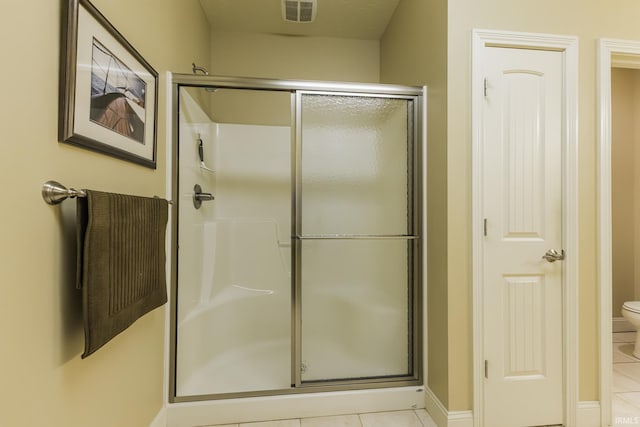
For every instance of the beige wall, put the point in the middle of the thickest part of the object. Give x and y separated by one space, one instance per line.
453 287
625 176
45 383
288 57
283 57
251 107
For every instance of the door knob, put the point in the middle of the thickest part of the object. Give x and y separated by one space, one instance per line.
552 255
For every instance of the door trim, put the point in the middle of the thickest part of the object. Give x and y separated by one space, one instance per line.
607 49
568 46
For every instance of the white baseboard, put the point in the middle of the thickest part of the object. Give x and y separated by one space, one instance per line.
443 417
620 324
160 420
588 414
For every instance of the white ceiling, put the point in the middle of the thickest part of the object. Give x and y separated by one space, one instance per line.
358 19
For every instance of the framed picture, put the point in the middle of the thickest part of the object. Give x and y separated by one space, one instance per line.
108 92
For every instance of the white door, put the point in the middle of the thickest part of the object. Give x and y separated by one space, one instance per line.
522 207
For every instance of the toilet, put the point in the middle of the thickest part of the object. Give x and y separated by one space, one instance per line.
631 312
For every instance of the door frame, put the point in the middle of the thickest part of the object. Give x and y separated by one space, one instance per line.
607 51
568 46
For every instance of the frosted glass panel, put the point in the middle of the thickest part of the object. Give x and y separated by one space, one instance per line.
354 165
354 309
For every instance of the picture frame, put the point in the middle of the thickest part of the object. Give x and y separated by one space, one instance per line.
108 99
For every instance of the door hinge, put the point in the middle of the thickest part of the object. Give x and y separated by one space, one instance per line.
485 87
484 227
486 369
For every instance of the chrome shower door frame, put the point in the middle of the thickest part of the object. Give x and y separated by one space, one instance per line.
414 236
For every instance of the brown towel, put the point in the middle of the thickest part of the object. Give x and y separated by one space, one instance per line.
121 262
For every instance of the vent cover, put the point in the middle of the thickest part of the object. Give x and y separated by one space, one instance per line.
302 11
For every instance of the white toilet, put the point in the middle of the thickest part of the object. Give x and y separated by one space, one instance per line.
631 312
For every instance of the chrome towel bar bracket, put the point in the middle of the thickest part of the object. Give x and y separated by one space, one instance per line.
54 193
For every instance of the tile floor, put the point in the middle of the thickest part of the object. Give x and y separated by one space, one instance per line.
417 418
626 381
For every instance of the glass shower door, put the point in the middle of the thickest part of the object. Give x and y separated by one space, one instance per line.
355 237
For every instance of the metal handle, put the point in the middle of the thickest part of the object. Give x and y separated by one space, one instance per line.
552 255
357 237
199 196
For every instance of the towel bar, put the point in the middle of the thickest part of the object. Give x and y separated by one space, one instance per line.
54 193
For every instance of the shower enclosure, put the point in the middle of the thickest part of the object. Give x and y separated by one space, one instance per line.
298 223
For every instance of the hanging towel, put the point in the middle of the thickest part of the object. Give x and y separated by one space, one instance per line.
121 262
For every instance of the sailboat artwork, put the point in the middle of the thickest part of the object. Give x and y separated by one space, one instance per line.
108 98
117 95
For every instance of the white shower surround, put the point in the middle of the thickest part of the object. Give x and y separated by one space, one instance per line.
233 316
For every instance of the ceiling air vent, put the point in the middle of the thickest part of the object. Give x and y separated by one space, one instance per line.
299 10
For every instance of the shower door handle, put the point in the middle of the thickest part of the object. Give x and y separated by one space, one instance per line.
199 196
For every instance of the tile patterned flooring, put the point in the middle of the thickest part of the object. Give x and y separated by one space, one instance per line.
417 418
625 389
